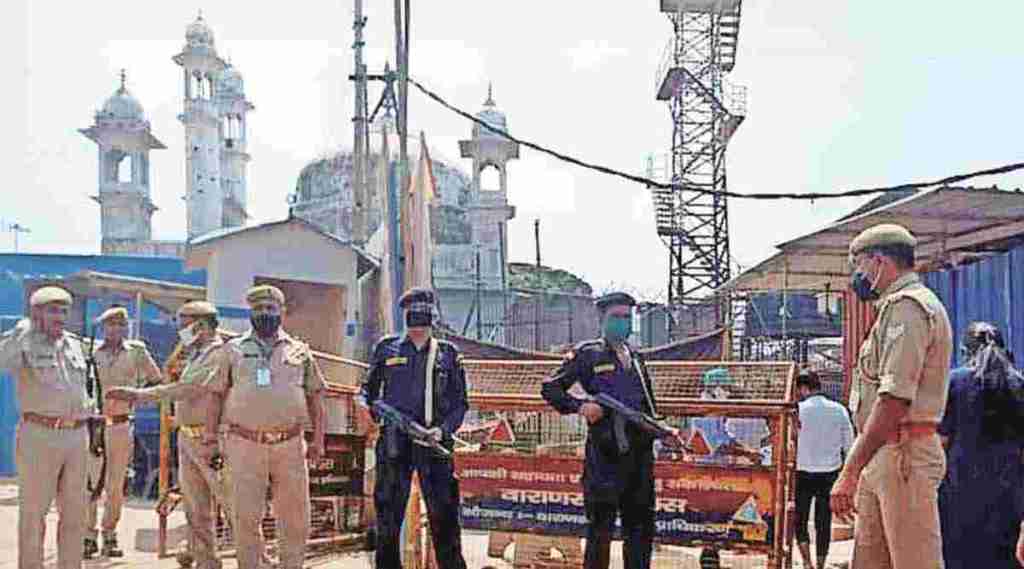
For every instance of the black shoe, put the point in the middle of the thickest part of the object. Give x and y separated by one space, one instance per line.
184 560
90 550
110 548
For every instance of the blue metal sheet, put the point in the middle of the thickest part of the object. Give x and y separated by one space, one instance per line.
15 267
989 290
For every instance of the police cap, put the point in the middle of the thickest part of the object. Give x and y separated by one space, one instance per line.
264 292
197 308
614 299
881 235
114 313
417 298
48 294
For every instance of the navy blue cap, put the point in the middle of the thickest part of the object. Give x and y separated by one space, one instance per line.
418 296
615 299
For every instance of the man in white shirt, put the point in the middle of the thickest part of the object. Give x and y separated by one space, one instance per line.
826 436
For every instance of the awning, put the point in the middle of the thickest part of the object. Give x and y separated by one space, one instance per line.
948 222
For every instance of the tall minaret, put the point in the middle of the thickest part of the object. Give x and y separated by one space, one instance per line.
123 135
233 141
201 68
489 210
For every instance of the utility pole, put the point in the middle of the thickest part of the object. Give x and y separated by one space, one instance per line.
536 238
402 57
479 305
360 147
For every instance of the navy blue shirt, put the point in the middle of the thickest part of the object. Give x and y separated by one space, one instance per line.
398 373
597 368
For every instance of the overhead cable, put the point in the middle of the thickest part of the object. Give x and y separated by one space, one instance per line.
696 189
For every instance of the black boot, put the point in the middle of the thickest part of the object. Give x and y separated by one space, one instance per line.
90 550
110 548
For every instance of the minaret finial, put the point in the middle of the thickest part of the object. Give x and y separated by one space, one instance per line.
124 78
490 94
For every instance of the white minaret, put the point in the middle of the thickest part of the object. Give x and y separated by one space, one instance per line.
201 116
230 97
123 136
489 210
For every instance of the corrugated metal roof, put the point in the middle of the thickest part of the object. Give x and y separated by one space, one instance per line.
945 221
16 267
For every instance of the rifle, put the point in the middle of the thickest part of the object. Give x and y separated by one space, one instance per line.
623 414
97 444
400 422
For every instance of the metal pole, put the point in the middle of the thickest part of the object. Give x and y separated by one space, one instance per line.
359 149
479 306
536 239
504 283
137 332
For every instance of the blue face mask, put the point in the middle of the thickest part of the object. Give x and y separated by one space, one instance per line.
618 328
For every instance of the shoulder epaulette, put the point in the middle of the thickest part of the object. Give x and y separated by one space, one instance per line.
596 343
135 344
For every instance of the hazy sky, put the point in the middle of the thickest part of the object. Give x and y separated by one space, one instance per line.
841 94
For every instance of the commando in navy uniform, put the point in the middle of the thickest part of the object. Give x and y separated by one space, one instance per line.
435 396
618 475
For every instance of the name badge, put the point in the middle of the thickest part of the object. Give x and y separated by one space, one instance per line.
262 377
603 368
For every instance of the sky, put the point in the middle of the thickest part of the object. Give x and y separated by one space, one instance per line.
840 95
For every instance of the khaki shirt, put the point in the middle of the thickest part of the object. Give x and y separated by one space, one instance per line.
292 377
201 366
128 366
50 375
906 354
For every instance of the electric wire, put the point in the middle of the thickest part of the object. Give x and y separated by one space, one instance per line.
954 179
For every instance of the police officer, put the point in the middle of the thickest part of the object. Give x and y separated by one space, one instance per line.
119 362
423 378
616 481
269 388
53 440
199 352
892 475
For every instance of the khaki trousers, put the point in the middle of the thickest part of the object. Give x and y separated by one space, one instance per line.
120 445
282 467
51 464
897 507
201 488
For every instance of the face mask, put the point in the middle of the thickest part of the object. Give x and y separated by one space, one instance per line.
618 328
862 286
187 334
266 324
419 319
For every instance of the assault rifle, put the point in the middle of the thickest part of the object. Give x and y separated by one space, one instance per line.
97 442
622 414
400 422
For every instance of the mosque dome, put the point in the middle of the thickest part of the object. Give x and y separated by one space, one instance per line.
491 116
122 105
198 33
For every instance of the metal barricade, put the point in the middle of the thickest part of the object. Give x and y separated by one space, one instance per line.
732 490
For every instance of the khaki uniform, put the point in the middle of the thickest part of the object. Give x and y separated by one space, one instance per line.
51 462
200 484
274 404
128 366
906 355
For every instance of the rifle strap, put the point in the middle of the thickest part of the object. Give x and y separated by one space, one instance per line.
643 380
428 395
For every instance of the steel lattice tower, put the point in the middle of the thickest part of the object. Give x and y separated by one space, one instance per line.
692 218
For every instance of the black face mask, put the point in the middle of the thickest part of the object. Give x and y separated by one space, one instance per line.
860 284
418 319
266 324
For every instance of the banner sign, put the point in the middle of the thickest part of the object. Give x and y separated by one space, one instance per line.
544 494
